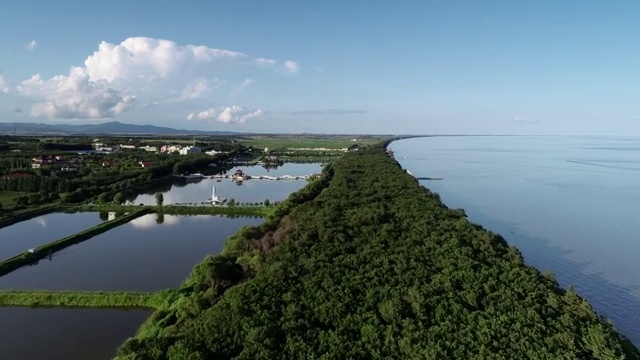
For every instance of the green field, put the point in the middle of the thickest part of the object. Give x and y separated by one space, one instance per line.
7 198
305 142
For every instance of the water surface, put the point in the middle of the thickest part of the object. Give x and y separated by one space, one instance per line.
40 230
570 204
142 255
65 334
248 191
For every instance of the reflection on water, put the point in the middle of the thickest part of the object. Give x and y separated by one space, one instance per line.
146 254
545 196
27 234
65 334
199 192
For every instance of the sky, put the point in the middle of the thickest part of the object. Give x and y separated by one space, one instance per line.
392 67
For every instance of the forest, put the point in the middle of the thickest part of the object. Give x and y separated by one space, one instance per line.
366 263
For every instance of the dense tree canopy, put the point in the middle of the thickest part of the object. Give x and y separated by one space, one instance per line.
365 263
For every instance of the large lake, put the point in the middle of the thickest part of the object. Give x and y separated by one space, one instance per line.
248 191
142 255
570 204
65 334
24 235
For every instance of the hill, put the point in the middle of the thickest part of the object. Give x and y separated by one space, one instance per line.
365 263
108 128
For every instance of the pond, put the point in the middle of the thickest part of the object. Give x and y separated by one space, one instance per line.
43 229
247 191
69 334
150 253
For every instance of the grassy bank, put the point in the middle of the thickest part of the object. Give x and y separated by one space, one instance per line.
84 299
366 263
13 217
180 210
42 251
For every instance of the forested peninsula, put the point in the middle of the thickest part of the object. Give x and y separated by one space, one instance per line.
365 263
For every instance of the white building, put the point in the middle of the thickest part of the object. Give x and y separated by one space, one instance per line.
190 150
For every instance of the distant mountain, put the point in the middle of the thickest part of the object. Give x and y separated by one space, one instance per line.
108 128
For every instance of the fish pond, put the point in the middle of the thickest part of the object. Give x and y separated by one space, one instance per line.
40 230
69 334
152 252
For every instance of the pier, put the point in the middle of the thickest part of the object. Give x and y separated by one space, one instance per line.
264 177
422 177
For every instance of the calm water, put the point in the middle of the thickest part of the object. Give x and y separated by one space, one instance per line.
43 229
248 191
570 204
65 334
139 256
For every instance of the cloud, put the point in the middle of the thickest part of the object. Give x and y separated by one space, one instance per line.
238 89
75 96
326 112
292 66
4 85
142 68
31 46
262 62
197 88
232 114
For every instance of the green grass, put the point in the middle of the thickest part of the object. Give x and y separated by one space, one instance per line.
295 142
12 217
7 198
83 298
181 210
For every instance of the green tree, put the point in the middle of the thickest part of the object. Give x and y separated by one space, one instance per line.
118 198
267 202
34 199
103 198
159 199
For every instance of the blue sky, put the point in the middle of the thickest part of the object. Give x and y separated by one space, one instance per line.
461 67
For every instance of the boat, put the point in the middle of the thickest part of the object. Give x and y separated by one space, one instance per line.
215 199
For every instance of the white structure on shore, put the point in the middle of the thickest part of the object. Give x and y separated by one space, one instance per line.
190 150
215 199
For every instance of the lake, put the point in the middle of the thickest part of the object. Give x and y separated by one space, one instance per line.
40 230
570 204
141 255
65 334
248 191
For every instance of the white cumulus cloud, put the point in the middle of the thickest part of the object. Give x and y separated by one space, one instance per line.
115 75
31 46
292 66
75 96
230 114
4 85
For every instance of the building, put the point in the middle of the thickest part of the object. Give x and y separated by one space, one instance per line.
145 164
190 150
127 147
149 148
170 148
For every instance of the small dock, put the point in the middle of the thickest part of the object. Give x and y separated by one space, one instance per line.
422 177
264 177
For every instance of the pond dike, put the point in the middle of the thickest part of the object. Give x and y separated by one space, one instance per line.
43 251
